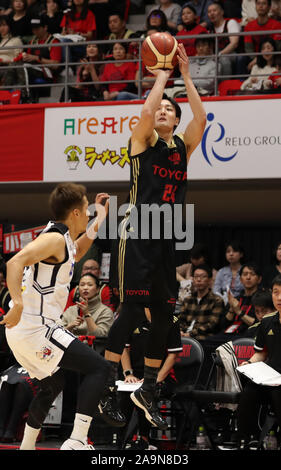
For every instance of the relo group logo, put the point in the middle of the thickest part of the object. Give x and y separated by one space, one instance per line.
207 147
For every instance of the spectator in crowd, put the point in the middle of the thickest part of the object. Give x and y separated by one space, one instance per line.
119 70
118 30
53 15
198 255
43 63
262 302
203 66
79 20
89 71
92 266
228 277
7 56
172 11
227 44
249 11
275 10
190 27
201 8
203 310
241 311
5 7
262 23
274 268
273 82
264 67
267 349
20 21
89 316
156 19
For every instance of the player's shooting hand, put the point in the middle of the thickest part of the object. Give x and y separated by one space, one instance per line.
183 60
13 317
160 72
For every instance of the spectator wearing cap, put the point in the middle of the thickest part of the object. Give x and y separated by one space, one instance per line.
118 70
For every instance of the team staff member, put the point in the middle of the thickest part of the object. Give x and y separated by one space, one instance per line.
146 272
268 349
39 293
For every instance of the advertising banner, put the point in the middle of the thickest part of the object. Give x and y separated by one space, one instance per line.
89 143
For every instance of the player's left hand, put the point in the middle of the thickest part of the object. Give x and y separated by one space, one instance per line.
13 317
183 60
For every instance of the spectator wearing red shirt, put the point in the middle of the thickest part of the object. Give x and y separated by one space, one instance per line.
79 20
118 70
274 81
262 23
191 26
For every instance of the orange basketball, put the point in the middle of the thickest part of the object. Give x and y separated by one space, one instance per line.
159 51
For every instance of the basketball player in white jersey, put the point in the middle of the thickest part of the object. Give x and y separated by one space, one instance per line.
38 279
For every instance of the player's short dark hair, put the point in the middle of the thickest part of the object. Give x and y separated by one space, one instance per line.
66 197
263 298
205 268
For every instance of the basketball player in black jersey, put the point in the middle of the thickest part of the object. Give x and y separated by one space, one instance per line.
145 274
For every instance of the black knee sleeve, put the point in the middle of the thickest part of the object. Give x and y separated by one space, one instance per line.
49 389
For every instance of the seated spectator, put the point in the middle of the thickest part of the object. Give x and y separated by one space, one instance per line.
118 70
20 21
249 12
172 11
274 268
267 349
89 316
262 23
118 30
190 27
201 9
226 44
198 255
89 71
92 266
53 15
101 10
156 19
42 63
7 56
262 302
205 67
79 20
203 310
228 277
264 67
241 311
275 10
273 82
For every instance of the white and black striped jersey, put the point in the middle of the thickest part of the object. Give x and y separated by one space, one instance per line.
45 286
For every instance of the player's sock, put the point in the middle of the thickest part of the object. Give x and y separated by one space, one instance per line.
150 378
29 438
81 427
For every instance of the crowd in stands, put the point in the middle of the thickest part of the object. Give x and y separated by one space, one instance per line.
214 306
238 67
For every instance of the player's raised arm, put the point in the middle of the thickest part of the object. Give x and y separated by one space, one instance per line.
144 128
195 129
